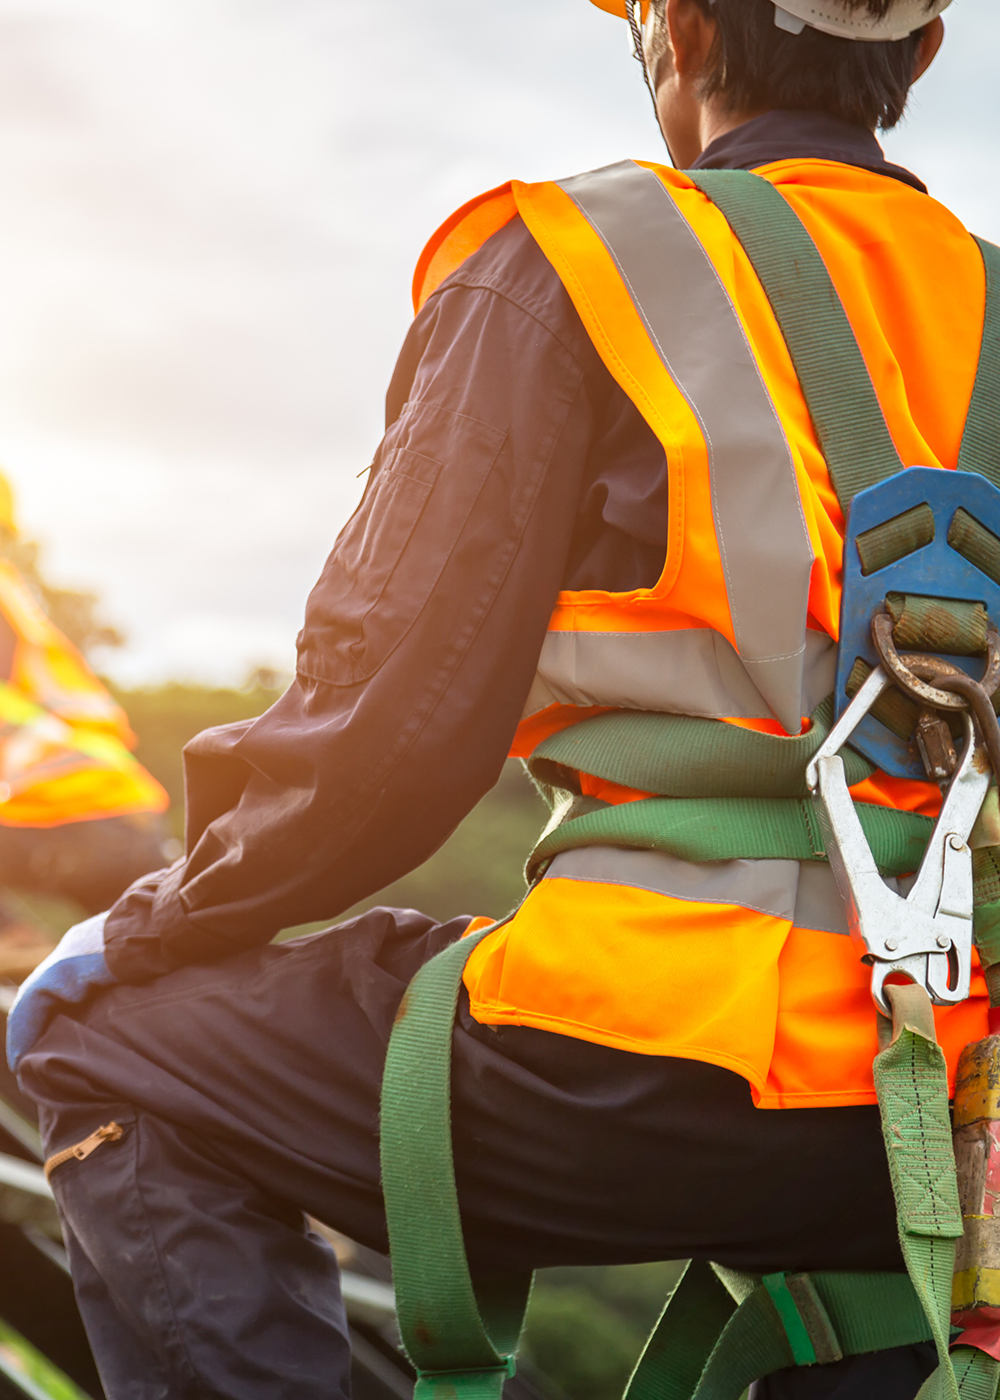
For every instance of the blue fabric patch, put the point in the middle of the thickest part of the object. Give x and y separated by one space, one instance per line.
66 982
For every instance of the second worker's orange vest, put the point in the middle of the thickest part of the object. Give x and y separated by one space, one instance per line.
64 741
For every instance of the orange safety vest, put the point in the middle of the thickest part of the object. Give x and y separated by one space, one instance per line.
64 742
742 964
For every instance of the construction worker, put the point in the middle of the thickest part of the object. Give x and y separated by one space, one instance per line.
601 490
80 818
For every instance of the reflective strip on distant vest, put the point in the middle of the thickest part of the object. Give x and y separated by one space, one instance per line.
64 742
52 773
724 964
49 671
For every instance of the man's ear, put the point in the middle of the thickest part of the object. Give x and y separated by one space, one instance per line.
930 42
692 35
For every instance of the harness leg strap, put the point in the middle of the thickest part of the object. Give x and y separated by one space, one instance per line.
911 1080
461 1336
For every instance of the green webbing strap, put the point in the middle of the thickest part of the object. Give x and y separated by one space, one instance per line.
704 1348
714 1338
681 756
911 1083
952 625
804 1320
896 538
850 426
461 1336
849 422
980 450
686 1335
986 926
977 1377
975 543
705 829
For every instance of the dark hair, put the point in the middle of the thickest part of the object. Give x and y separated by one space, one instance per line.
755 66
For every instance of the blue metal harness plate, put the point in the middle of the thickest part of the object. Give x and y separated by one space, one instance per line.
935 570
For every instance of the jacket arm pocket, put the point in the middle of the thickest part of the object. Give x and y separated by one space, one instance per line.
390 555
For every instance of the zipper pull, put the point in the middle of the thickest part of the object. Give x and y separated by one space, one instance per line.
111 1132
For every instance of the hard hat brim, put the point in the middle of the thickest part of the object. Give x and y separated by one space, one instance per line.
831 17
617 7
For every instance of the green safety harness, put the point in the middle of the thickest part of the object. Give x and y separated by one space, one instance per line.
723 792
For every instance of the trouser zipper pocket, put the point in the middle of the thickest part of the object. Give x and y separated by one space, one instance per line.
111 1132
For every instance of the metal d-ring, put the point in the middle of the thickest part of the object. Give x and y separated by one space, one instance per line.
955 689
982 707
913 670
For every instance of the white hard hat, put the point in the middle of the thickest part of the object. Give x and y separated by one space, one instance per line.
834 17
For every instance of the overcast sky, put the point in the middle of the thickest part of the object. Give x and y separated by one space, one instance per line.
209 216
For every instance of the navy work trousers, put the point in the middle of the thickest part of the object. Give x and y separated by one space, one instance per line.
248 1091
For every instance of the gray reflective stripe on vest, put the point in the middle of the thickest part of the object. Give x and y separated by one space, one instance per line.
690 672
818 903
805 894
762 537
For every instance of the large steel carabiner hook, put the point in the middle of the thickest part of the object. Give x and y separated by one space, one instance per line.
925 936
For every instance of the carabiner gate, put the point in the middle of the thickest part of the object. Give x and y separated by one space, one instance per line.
925 936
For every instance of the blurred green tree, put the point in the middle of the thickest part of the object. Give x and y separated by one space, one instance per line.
586 1327
577 1341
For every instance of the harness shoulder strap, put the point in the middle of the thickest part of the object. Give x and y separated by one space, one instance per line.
847 416
980 450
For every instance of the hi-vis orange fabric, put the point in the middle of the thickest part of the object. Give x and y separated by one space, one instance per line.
64 742
735 965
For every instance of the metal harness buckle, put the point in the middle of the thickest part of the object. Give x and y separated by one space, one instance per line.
926 936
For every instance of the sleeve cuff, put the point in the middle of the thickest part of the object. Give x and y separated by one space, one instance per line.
148 932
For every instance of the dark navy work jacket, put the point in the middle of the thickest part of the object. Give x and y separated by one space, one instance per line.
537 474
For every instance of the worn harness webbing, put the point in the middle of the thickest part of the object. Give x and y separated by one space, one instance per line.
980 450
719 1332
727 828
461 1339
753 803
689 756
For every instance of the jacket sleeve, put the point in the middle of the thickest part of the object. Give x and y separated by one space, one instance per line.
419 646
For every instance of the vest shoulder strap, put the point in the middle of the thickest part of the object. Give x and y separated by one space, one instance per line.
461 235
